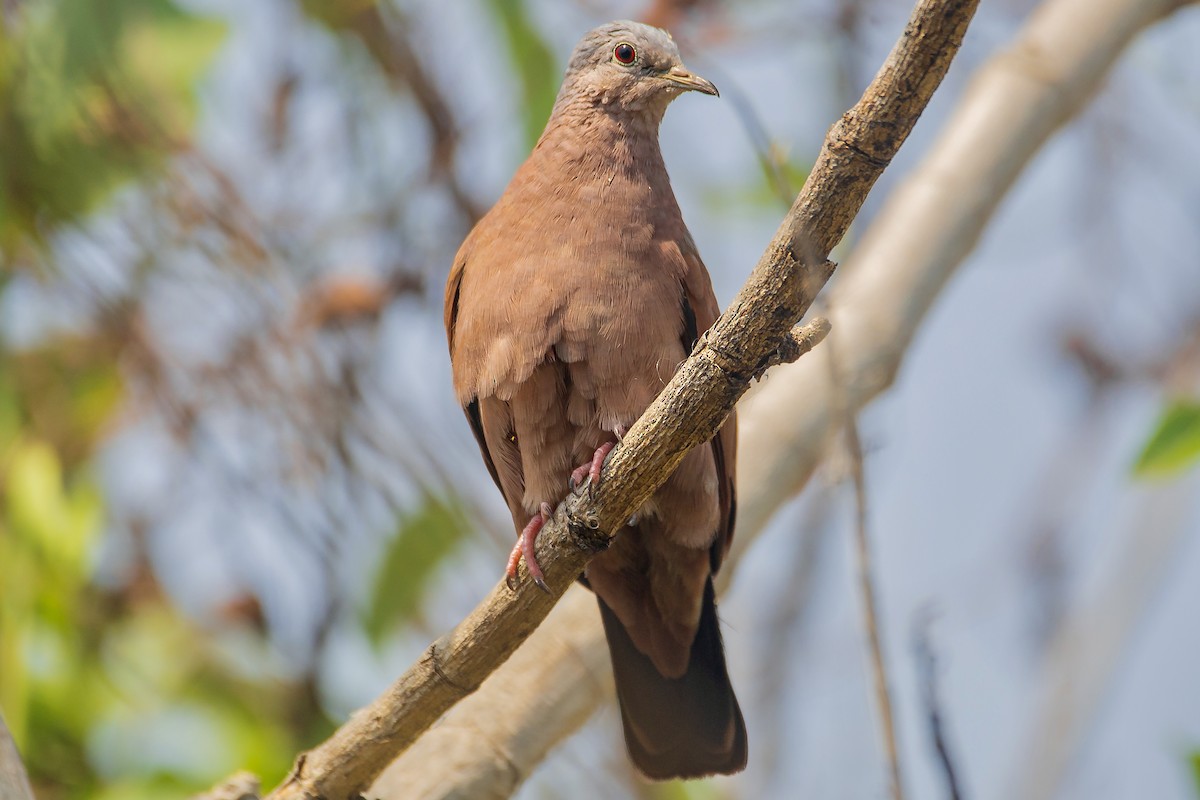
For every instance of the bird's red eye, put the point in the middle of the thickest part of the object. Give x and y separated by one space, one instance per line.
624 53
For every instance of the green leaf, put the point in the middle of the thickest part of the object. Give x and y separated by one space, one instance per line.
426 537
534 61
1175 443
61 524
10 412
37 504
168 56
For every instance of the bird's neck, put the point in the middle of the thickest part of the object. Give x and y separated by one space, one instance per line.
588 137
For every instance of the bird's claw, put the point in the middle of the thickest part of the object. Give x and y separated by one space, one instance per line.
524 548
579 477
588 474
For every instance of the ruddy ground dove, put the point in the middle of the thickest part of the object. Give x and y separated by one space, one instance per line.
568 308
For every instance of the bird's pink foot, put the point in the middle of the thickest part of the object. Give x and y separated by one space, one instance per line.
591 469
524 547
578 476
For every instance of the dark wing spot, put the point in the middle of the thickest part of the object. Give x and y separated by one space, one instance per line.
451 313
689 334
472 411
726 501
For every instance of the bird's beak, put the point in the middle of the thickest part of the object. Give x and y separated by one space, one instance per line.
678 76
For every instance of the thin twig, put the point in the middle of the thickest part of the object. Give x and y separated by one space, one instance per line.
927 669
866 588
786 622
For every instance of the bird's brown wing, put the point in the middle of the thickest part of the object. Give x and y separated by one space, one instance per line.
521 424
491 421
450 318
700 311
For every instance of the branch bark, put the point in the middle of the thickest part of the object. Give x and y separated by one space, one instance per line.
687 413
1013 105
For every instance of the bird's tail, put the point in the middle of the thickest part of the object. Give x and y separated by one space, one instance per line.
682 727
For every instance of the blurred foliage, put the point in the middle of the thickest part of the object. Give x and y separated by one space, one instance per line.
338 15
92 96
774 187
69 390
1194 764
425 539
1175 443
356 19
112 694
373 26
107 690
688 790
535 64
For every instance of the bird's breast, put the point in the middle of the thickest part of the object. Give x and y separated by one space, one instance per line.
584 269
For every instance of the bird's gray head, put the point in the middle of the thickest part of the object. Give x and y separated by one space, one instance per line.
630 67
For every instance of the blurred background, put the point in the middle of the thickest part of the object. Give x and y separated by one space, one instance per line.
237 496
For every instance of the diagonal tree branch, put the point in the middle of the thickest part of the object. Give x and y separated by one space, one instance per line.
493 741
688 412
